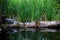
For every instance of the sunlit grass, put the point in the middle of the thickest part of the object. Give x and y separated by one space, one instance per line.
32 10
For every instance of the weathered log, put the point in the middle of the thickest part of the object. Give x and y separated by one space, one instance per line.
34 24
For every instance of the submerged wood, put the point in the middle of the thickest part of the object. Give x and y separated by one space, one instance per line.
34 24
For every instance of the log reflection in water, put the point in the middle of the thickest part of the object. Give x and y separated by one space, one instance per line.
6 33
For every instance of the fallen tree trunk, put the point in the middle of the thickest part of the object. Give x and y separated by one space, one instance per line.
34 24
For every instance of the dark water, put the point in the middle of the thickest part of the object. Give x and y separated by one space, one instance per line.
32 34
43 34
28 35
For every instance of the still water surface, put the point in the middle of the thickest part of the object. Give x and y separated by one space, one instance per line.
44 34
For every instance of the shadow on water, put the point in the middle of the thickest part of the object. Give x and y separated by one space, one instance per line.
28 35
21 34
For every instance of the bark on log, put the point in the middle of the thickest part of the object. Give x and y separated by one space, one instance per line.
34 24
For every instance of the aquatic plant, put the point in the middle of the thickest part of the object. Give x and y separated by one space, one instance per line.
30 10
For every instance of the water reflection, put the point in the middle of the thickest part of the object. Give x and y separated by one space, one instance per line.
37 35
33 34
38 29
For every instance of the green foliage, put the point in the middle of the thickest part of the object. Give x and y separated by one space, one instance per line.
30 10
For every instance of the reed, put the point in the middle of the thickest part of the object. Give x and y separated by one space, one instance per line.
31 10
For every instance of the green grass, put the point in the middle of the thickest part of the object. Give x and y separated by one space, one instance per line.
31 10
